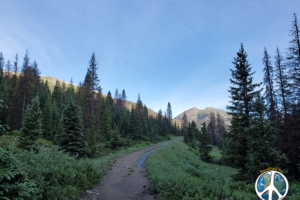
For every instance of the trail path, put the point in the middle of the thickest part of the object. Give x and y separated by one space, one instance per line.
117 184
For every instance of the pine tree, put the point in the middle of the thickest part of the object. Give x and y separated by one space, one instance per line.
260 139
72 139
47 126
184 123
32 126
242 94
92 134
269 89
204 147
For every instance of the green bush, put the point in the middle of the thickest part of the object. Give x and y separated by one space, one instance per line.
14 182
15 133
58 175
43 142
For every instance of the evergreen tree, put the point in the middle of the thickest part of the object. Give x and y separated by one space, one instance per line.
260 139
169 113
139 109
124 97
47 126
105 126
184 123
124 124
269 89
57 95
109 99
212 128
55 118
282 85
115 138
164 129
91 135
72 139
242 94
293 60
134 125
92 71
204 147
32 126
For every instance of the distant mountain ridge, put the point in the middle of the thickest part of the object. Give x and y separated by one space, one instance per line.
202 115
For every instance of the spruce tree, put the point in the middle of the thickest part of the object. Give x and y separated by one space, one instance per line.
134 125
115 138
169 113
184 123
164 129
269 88
72 140
282 85
92 134
260 140
293 60
57 95
32 126
203 145
105 126
242 93
55 118
124 124
47 126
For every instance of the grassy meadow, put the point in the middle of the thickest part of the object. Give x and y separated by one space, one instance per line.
177 173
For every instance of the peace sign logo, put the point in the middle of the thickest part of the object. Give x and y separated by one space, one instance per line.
271 185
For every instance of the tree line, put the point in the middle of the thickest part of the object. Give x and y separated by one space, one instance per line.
75 119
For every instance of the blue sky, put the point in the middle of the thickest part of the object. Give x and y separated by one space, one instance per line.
168 51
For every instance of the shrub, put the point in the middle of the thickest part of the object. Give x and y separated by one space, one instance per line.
57 174
43 142
14 183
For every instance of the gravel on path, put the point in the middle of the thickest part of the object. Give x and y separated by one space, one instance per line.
126 180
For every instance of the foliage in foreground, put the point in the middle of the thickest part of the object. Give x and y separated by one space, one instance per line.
58 175
179 174
14 182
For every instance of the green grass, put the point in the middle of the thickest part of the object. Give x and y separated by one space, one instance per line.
178 173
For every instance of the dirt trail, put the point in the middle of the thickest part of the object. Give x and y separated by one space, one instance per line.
118 184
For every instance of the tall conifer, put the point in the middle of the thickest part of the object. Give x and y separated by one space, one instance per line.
242 93
32 126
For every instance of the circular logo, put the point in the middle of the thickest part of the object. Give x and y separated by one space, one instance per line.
271 185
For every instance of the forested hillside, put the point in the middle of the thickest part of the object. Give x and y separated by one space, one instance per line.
45 117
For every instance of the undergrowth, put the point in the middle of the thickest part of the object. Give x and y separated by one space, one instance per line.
178 174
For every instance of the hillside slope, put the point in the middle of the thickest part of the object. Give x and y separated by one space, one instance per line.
202 115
